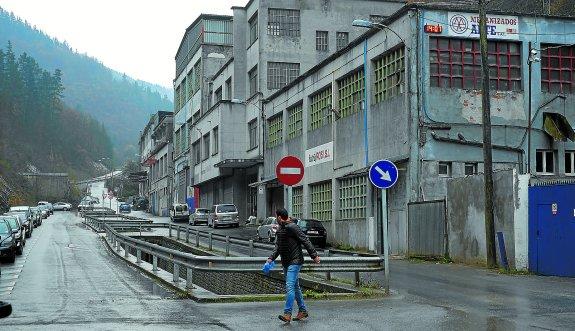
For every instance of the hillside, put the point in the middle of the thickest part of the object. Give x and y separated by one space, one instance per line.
121 103
38 131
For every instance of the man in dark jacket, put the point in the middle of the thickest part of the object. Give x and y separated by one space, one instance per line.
289 238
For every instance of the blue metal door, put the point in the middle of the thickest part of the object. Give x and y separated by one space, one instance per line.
552 230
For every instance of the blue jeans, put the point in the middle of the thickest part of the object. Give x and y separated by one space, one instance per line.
293 291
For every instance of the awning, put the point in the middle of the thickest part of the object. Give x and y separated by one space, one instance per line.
558 127
239 163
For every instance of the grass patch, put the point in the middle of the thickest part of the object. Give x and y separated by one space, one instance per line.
349 248
422 259
512 272
313 294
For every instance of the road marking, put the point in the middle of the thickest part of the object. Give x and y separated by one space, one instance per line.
290 171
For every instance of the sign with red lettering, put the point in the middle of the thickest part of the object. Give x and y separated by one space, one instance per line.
319 154
289 170
498 27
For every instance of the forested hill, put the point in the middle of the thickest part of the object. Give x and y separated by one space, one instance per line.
122 104
38 132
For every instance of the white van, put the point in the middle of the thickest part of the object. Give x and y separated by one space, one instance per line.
179 212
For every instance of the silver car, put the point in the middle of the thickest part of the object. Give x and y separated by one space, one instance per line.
268 229
199 216
224 214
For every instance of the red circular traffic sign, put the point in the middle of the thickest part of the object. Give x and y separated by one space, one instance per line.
289 170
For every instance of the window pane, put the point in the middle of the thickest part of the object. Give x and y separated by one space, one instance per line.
539 162
549 164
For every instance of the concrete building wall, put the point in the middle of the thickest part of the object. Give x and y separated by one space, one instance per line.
466 217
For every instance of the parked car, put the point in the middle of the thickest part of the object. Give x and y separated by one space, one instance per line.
140 204
8 246
46 203
36 216
87 203
125 208
268 229
27 216
24 220
17 230
62 206
314 230
224 214
179 212
200 215
44 210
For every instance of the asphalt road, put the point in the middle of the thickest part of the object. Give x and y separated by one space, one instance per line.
67 280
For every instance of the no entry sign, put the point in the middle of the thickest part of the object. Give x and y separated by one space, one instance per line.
289 170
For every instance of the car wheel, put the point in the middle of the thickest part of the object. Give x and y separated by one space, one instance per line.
20 249
12 257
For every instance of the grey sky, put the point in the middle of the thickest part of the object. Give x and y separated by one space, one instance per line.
136 37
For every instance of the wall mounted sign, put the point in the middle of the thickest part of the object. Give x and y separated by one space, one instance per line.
429 28
498 27
319 154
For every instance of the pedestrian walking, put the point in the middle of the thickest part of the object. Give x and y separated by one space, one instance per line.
289 239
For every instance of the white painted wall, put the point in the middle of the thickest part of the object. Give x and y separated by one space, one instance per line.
521 222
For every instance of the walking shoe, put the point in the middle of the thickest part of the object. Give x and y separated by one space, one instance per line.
301 315
285 318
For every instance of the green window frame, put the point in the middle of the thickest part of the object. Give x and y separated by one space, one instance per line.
190 84
295 121
351 93
177 99
389 72
320 109
321 201
197 76
352 198
275 131
297 202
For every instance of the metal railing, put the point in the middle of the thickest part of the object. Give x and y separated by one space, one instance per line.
179 259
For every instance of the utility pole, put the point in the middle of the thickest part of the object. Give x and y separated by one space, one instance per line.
487 148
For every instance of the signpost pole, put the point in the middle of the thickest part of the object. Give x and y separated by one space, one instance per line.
385 238
289 199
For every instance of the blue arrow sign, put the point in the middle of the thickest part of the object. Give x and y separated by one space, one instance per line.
383 174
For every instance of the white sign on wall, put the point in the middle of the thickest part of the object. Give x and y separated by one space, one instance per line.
498 27
319 154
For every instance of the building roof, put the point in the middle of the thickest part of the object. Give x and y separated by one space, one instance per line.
197 20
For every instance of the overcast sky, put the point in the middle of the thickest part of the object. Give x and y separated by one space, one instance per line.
136 37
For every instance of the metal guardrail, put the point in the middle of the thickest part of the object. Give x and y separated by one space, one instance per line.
193 262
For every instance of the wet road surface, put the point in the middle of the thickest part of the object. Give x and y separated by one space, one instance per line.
67 280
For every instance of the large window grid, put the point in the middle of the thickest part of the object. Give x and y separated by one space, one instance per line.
281 73
216 142
177 99
341 40
253 80
253 133
320 108
283 22
197 76
253 22
558 68
297 202
351 93
352 198
275 131
321 40
196 150
190 84
456 63
207 146
295 121
389 75
321 201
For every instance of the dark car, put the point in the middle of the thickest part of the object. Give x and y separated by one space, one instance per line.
140 204
36 216
125 208
7 242
25 221
17 230
314 230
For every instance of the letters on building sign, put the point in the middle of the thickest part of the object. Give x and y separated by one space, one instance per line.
433 28
319 154
498 27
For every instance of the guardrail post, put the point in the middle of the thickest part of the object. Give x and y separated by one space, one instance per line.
126 251
327 274
210 241
176 277
197 238
117 246
154 263
178 232
189 278
251 247
357 281
138 256
227 245
169 230
187 234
